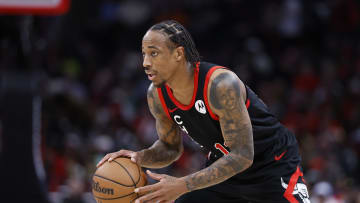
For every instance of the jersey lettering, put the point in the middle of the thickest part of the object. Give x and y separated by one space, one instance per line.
221 148
178 120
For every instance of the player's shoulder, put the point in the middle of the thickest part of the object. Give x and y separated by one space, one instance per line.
151 88
224 77
152 92
225 81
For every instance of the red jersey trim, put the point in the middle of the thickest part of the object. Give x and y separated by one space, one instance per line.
290 189
163 103
208 75
247 103
176 102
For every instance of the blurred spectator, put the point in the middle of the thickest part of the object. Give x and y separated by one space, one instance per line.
301 57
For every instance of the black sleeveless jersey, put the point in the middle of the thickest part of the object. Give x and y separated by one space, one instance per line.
202 125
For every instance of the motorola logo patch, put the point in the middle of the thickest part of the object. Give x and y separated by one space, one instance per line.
200 106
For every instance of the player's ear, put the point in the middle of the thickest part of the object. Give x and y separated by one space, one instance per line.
179 53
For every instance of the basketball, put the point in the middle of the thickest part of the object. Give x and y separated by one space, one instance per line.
115 181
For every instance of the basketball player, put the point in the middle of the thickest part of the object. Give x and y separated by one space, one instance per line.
252 157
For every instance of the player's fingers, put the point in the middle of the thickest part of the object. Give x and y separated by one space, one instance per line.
123 152
103 160
158 199
166 201
113 156
153 196
134 157
146 189
155 176
137 157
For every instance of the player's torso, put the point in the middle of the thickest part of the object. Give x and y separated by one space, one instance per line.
202 125
195 119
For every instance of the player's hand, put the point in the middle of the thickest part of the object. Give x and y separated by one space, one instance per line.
168 189
134 156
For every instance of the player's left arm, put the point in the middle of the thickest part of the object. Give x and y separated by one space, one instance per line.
227 95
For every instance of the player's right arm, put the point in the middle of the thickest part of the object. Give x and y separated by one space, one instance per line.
167 149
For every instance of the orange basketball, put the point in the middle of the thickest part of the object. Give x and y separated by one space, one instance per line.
115 181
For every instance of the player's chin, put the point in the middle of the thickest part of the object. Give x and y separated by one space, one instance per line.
157 84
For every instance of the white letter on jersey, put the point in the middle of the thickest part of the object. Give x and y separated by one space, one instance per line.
200 106
178 120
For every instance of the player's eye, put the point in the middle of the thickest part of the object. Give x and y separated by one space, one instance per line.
154 53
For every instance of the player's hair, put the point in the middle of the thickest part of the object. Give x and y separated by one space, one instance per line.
179 36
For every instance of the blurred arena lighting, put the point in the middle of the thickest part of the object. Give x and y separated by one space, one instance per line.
34 7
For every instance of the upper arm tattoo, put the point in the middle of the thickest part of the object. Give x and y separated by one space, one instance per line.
224 92
226 98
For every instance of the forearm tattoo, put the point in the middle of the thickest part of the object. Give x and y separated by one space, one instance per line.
169 146
226 98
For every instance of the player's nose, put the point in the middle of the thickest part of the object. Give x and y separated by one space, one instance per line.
146 62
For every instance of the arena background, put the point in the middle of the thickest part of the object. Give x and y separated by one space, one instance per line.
302 57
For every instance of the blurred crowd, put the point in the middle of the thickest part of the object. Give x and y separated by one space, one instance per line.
302 57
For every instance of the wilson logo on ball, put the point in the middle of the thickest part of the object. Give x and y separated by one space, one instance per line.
96 187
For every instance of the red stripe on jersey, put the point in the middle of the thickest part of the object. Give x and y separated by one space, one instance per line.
176 102
163 103
290 189
247 103
208 75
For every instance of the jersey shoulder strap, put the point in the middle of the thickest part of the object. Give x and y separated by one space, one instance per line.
205 72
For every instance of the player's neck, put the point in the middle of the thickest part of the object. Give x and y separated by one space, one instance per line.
182 84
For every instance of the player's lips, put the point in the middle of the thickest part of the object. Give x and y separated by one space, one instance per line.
151 76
